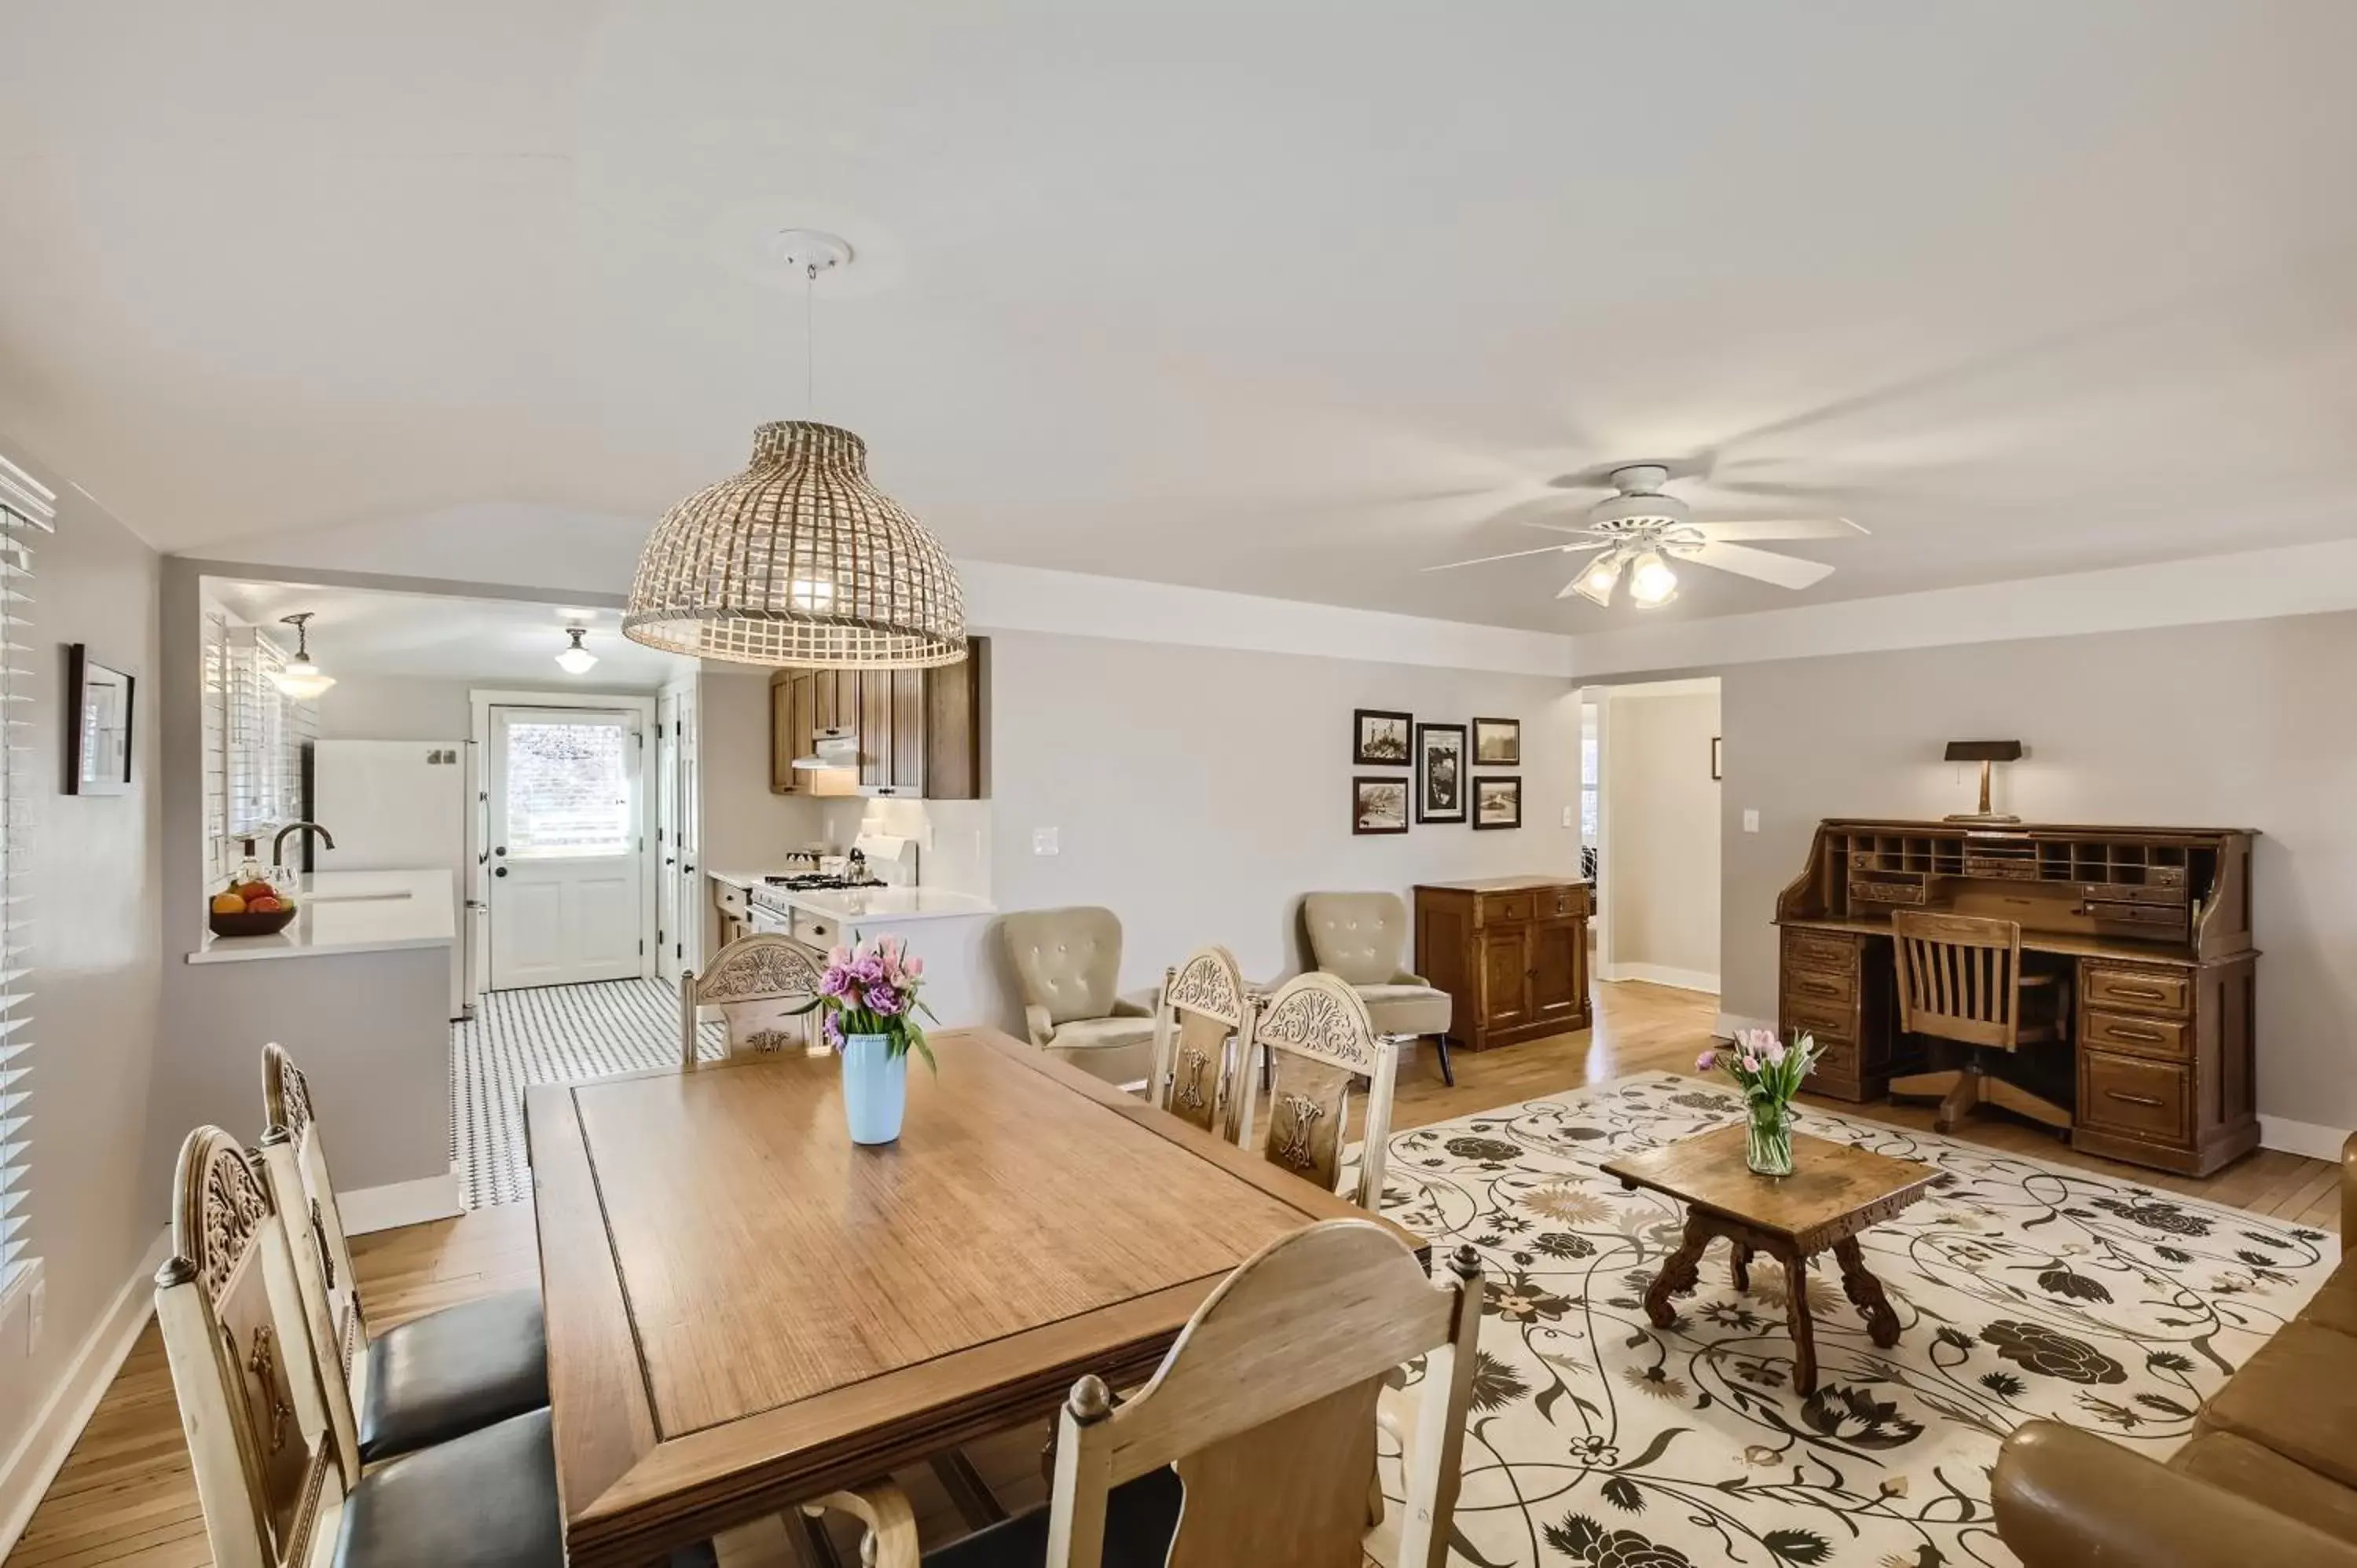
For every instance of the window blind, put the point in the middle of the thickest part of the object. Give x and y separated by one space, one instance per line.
255 736
27 509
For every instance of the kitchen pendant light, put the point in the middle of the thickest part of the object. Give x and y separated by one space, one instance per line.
799 561
300 680
576 660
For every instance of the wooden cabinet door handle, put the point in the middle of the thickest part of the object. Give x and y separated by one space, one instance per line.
2133 1098
2133 1032
1822 987
2140 992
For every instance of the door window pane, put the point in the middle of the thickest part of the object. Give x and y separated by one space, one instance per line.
568 789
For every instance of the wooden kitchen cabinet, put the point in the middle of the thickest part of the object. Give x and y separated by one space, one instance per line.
920 731
1512 952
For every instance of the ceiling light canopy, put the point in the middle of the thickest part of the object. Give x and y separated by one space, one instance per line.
800 560
576 660
301 679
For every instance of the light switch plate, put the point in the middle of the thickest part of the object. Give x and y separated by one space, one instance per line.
1043 840
1567 820
1750 822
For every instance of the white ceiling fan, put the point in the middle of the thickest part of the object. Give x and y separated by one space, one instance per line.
1638 531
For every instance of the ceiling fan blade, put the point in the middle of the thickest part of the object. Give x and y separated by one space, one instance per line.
1785 571
1781 528
1513 555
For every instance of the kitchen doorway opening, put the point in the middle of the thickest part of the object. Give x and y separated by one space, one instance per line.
563 859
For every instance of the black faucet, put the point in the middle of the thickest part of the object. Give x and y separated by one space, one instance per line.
278 844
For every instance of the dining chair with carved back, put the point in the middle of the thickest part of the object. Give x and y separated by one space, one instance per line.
1322 1048
271 1482
1198 1021
755 983
1252 1440
421 1382
1961 979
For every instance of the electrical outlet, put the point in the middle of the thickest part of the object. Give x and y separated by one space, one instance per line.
1043 840
1751 821
1568 820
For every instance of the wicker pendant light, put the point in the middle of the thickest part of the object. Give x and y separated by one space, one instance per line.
799 560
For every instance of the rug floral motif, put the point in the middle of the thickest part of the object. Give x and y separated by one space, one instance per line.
2024 1289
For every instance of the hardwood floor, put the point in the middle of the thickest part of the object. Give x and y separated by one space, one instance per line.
125 1497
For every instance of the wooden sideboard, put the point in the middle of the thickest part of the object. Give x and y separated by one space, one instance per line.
1512 952
2152 926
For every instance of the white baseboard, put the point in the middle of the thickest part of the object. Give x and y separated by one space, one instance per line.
2302 1138
27 1473
1728 1023
368 1208
1661 974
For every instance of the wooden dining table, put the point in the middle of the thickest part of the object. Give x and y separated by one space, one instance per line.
747 1311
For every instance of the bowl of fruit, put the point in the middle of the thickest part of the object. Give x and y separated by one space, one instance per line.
250 908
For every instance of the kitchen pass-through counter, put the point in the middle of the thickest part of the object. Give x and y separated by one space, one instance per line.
351 912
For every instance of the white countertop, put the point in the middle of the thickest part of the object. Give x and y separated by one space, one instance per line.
886 903
746 880
350 912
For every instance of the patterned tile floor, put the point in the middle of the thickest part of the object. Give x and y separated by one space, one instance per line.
552 1033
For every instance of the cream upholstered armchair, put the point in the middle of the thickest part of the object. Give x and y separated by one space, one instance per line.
1360 938
1067 963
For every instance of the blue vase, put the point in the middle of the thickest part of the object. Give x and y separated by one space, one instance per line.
875 1088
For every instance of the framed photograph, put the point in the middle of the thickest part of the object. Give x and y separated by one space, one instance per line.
98 726
1716 771
1440 773
1496 803
1379 739
1497 743
1379 805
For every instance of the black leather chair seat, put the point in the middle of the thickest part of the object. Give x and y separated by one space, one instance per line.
484 1500
1141 1516
452 1372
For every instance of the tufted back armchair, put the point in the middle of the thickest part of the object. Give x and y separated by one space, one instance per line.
1067 966
1360 938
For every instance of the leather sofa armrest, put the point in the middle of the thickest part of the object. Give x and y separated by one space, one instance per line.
1034 1024
2066 1498
2349 1187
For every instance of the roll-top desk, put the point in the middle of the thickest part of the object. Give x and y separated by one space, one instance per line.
2154 924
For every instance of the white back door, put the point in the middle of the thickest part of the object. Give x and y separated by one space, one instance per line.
668 950
567 820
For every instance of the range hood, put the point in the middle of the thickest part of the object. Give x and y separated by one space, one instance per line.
831 749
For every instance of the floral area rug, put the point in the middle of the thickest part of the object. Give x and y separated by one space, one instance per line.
2023 1290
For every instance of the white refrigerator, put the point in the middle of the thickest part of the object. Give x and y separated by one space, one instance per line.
397 805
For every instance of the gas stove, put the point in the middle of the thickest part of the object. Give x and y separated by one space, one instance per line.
815 882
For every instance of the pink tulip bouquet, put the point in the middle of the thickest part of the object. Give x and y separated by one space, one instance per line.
1770 1073
874 991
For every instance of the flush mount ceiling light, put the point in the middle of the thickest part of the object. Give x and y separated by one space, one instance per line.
300 680
1639 530
576 660
799 561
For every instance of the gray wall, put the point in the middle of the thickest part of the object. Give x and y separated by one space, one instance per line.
418 707
1661 860
2237 725
92 871
1200 792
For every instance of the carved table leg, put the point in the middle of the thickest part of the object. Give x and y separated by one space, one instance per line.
1865 1292
1796 1317
1741 1269
1679 1274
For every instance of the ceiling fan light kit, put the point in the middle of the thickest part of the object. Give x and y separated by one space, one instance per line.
1639 530
799 561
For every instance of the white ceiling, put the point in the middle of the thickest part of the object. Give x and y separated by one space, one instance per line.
364 631
1293 298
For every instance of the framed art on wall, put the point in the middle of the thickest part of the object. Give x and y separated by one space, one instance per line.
98 726
1497 743
1379 739
1440 773
1496 803
1379 805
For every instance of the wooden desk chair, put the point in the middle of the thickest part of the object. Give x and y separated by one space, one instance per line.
755 981
269 1479
1253 1443
434 1378
1322 1046
1201 1009
1959 979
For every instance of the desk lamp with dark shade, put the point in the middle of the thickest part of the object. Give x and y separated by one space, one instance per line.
1984 752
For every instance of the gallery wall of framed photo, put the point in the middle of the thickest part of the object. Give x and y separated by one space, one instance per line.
1448 781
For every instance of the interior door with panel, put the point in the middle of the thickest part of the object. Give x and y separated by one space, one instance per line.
668 905
686 938
566 849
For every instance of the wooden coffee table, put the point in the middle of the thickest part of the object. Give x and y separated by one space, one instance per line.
1834 1192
